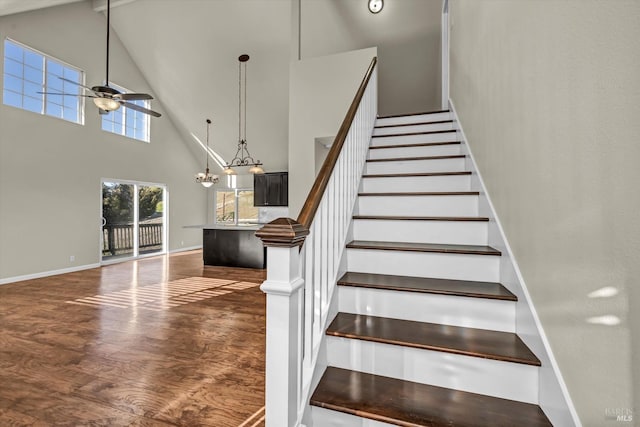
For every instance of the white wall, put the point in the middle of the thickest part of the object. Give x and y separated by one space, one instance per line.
320 92
50 169
549 96
406 33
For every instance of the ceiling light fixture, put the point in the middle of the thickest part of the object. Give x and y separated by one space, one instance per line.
106 104
375 6
243 157
206 178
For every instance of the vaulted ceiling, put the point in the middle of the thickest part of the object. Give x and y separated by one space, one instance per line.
187 51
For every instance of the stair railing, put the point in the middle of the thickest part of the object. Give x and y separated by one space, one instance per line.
304 260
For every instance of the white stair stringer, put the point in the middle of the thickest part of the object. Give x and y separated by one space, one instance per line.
328 418
415 151
507 380
416 166
483 268
421 138
412 128
431 205
399 184
479 313
416 118
418 231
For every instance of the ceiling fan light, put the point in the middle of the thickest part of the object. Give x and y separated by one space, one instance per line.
256 170
106 104
206 184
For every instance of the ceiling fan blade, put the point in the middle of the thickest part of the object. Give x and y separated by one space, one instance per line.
66 94
133 96
141 109
75 83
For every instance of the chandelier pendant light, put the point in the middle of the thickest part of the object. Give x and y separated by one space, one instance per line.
243 157
207 179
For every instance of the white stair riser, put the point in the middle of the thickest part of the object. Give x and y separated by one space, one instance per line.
416 183
421 118
328 418
417 206
448 232
417 166
480 313
414 139
482 268
422 151
507 380
414 128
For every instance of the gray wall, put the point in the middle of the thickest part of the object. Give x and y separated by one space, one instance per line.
406 33
320 93
50 169
549 95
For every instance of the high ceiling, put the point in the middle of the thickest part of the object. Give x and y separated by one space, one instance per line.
187 51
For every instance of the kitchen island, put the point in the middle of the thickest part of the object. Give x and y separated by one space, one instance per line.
233 246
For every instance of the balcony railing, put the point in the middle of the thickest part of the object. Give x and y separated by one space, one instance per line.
117 239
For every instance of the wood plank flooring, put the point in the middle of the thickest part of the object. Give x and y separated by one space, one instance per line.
162 341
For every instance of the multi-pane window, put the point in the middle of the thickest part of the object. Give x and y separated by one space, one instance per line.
127 122
235 206
27 72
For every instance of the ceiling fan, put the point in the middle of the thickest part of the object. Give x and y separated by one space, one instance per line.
107 98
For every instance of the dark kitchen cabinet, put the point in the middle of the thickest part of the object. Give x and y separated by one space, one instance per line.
271 189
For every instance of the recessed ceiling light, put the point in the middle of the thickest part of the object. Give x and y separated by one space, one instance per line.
376 6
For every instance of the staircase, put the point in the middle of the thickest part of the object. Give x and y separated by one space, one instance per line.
425 333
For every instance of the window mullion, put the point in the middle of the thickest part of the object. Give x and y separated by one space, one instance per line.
45 84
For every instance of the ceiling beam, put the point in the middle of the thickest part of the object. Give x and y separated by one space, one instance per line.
101 5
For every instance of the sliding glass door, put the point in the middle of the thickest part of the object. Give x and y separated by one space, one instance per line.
133 219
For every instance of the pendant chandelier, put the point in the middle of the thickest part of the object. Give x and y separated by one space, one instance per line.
206 178
243 157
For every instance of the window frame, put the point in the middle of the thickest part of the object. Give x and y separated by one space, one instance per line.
45 87
236 204
123 112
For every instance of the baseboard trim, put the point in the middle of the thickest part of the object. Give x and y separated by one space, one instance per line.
40 275
190 248
543 337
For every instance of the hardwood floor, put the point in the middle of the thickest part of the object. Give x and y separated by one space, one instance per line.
162 341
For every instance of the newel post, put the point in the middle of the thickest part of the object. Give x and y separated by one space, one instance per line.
283 287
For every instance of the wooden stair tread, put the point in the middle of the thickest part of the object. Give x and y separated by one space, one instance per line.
424 247
419 144
413 114
412 404
431 132
408 159
465 288
422 193
406 175
414 124
422 218
483 343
